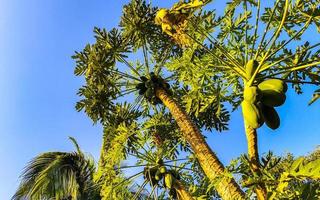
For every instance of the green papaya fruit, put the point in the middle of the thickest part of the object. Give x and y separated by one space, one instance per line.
168 179
251 114
271 117
163 169
160 16
272 98
273 84
158 175
149 174
251 67
152 171
251 94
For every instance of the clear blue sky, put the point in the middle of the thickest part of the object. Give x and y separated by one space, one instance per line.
38 89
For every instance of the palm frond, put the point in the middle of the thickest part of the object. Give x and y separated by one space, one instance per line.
58 175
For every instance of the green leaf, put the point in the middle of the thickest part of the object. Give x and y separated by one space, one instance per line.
295 167
315 97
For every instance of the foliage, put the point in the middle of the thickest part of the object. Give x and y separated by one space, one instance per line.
285 177
114 151
199 59
60 176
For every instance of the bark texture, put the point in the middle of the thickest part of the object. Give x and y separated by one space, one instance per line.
213 168
252 141
182 193
253 154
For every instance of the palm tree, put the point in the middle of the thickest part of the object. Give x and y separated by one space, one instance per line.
60 176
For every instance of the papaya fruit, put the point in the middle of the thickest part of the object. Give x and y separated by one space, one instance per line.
167 29
251 114
273 92
168 179
149 174
158 175
272 98
160 15
251 67
251 94
270 116
163 169
273 84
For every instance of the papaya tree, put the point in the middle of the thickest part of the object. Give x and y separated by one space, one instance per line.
259 64
107 81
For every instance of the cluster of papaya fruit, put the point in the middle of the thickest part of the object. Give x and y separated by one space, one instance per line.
157 173
259 100
148 86
173 24
168 18
174 21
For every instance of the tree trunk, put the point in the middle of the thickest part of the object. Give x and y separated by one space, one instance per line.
212 167
251 135
182 193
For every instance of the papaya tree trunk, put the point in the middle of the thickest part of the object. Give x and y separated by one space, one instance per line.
252 140
182 193
253 154
212 167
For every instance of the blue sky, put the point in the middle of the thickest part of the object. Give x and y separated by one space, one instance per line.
38 89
